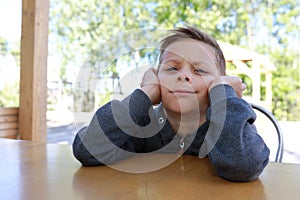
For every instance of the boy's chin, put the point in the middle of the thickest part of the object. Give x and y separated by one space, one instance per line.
184 110
182 107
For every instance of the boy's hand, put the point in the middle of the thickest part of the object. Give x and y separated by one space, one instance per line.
150 85
235 82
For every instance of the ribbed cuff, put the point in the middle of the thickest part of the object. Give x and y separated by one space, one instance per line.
221 91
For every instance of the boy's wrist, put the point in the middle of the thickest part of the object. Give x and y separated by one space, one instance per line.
221 91
233 81
139 107
151 92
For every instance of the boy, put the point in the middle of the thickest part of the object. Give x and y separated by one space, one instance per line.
200 113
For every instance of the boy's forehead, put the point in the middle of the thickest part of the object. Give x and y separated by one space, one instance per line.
189 49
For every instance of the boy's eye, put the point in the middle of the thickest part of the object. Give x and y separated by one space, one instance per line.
200 71
171 69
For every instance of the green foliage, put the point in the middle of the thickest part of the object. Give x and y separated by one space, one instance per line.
286 88
13 49
9 94
3 46
103 98
9 91
268 27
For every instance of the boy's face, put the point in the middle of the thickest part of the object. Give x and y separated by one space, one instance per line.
187 68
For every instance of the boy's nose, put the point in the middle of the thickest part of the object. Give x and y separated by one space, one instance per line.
184 76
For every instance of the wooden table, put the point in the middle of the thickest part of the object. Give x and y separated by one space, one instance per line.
48 171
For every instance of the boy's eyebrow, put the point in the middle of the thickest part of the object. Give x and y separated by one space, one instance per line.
195 62
175 60
199 62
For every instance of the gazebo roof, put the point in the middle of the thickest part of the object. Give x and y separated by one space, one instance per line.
234 53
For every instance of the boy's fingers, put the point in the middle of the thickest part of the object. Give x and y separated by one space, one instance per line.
244 86
154 70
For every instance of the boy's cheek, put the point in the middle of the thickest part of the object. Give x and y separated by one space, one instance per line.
163 81
208 80
158 75
164 89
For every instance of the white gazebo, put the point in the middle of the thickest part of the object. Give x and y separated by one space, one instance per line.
259 65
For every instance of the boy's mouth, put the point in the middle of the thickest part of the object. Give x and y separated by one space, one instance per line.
183 92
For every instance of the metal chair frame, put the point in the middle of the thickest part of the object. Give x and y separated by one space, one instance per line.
279 153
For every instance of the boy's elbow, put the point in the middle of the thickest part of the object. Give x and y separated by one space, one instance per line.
85 159
243 172
238 175
83 155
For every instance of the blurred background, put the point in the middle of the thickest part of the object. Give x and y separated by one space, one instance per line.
95 48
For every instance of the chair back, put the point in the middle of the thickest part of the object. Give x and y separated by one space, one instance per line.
267 126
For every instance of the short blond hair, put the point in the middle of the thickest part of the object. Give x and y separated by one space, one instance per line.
192 33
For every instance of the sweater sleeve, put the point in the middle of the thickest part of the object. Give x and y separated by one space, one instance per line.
112 134
239 154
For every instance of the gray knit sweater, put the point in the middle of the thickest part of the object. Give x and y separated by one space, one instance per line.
229 138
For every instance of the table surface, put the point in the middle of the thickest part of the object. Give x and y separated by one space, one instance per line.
32 170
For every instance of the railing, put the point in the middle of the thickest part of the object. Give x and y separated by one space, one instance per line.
9 123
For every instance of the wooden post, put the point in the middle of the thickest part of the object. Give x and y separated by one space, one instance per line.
269 92
33 79
256 80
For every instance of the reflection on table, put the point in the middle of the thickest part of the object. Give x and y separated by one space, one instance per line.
32 170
